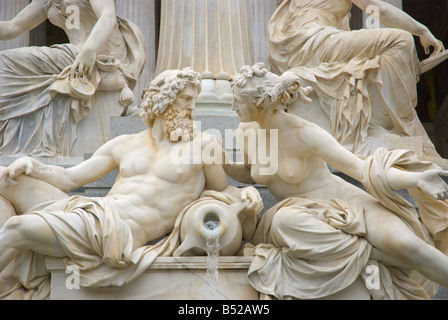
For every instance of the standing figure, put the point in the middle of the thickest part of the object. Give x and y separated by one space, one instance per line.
45 92
364 80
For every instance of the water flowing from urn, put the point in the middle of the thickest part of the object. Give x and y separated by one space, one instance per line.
211 231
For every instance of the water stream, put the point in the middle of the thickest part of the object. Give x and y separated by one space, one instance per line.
211 232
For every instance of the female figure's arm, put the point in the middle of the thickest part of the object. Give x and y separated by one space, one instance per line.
107 20
323 145
240 171
27 19
395 18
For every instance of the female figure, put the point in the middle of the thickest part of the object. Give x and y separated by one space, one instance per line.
39 110
325 230
365 79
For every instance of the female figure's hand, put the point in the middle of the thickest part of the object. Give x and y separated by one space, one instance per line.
428 40
84 63
107 21
431 182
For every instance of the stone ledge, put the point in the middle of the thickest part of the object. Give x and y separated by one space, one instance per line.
183 278
175 263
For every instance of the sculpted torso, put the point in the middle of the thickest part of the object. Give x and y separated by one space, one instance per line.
58 15
300 172
160 189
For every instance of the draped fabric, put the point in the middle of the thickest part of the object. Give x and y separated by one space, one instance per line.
301 251
432 213
31 120
96 240
310 249
365 80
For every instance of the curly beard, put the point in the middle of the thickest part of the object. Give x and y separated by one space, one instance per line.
178 124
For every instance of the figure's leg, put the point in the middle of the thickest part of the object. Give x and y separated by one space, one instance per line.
393 102
392 236
27 232
344 46
6 211
25 192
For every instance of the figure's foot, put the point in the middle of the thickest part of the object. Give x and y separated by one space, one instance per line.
126 97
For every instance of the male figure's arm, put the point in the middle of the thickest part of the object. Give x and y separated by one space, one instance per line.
240 171
216 180
67 179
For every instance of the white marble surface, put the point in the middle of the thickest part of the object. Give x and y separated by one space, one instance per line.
183 278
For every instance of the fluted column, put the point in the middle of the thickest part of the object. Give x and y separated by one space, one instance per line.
261 12
142 13
212 36
8 10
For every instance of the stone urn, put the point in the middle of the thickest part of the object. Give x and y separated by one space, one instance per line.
211 220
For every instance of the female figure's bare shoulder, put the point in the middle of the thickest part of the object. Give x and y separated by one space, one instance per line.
298 123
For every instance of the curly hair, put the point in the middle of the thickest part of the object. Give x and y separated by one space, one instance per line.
163 91
268 90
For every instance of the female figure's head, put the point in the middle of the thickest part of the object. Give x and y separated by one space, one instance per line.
256 91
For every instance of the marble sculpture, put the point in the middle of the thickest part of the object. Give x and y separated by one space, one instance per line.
106 238
55 88
333 97
364 81
326 226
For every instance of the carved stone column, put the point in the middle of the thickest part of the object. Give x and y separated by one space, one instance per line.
214 37
8 10
261 12
143 14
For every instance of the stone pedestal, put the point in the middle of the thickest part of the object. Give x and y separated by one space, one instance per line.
183 278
